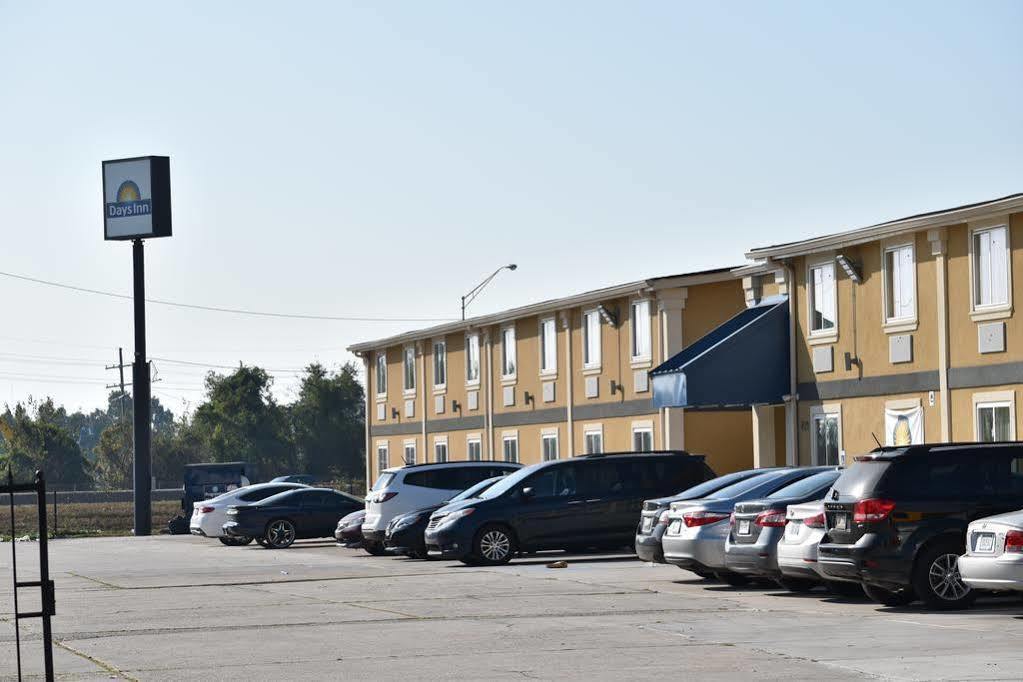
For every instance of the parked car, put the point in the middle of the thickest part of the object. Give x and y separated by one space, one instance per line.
695 536
994 552
797 549
756 527
654 517
307 479
404 533
896 520
208 480
209 516
579 503
349 529
278 521
404 489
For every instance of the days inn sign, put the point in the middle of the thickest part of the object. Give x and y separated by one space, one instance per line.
136 198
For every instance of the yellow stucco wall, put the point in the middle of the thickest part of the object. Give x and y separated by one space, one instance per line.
725 437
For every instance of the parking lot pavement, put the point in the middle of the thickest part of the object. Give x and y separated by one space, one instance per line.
181 607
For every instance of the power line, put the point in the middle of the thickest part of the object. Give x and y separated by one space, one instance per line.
217 309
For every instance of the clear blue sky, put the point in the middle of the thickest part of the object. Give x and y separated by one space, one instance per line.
381 158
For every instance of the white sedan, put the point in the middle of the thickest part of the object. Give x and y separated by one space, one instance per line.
994 553
209 516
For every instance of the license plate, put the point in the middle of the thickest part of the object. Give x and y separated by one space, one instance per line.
792 528
648 523
676 527
744 527
985 542
841 522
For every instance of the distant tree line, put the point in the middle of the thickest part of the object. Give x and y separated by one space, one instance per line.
320 433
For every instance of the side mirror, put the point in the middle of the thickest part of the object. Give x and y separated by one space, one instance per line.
527 493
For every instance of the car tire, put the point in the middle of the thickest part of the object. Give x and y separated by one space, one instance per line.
234 542
799 585
262 543
374 548
732 579
493 545
936 578
280 534
470 560
700 573
889 597
845 589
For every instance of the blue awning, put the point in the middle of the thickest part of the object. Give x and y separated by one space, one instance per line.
743 362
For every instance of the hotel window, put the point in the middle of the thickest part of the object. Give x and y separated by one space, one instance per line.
994 422
548 346
549 445
409 362
899 283
641 330
593 440
591 339
440 452
508 362
440 363
642 439
381 457
410 453
821 297
472 359
826 438
990 267
474 449
511 448
381 373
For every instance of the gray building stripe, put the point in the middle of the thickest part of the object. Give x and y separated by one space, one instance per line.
985 375
628 408
524 418
408 429
911 382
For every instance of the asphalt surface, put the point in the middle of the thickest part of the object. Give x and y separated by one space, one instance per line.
172 608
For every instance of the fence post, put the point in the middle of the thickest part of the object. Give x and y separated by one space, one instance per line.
55 512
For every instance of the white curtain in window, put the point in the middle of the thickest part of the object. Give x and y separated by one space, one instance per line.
901 284
549 359
641 329
472 359
991 268
904 427
592 332
823 297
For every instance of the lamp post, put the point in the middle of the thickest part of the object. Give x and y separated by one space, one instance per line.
475 291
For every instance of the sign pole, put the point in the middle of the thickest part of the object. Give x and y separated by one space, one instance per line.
140 382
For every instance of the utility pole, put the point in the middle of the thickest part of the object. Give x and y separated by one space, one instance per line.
120 367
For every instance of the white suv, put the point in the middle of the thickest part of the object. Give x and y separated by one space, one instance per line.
403 489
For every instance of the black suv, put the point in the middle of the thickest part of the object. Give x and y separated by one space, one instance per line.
579 503
896 519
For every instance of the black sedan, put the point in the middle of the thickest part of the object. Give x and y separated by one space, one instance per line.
278 521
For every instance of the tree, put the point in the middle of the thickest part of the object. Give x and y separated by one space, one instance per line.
114 457
34 442
328 422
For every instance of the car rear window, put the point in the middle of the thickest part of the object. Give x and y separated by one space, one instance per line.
806 486
715 484
862 478
263 493
739 488
382 481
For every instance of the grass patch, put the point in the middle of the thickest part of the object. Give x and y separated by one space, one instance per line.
85 519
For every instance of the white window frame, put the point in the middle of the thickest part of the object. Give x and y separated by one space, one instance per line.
820 335
548 324
406 390
405 447
592 357
593 430
440 386
994 399
509 437
992 311
505 355
825 411
470 440
909 322
381 368
469 338
438 443
640 356
383 447
549 435
647 427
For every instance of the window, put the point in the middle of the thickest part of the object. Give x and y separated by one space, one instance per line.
591 339
410 453
899 283
382 457
381 374
642 439
440 451
508 363
440 363
511 448
821 283
594 440
549 445
472 359
990 267
994 422
826 438
474 449
548 346
559 481
410 369
641 330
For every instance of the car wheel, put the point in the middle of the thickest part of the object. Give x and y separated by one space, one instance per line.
733 579
280 534
845 589
889 597
374 548
493 545
936 578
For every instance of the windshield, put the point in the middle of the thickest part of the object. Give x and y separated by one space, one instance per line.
741 487
475 490
707 487
507 483
806 486
382 481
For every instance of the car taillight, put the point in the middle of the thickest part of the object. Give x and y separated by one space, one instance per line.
206 510
702 518
872 510
814 521
1014 541
770 519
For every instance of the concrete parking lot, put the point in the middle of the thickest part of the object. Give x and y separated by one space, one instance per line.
183 608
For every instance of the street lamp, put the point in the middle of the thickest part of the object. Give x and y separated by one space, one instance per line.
471 296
